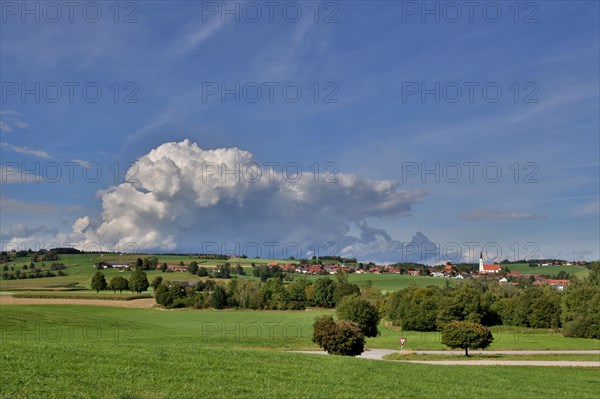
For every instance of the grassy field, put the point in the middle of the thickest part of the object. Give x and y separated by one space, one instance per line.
59 351
393 282
252 329
524 268
505 338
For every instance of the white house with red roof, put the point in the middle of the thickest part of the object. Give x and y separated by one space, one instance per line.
487 269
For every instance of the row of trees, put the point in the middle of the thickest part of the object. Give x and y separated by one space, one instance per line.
138 282
251 294
32 273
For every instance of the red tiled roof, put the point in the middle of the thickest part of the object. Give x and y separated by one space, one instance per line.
553 281
492 267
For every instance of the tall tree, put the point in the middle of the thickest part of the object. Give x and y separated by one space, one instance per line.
98 282
193 267
156 282
218 298
361 312
324 289
138 282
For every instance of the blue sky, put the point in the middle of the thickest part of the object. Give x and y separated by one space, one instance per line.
387 76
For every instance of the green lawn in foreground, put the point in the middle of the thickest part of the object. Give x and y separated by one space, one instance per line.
61 351
252 329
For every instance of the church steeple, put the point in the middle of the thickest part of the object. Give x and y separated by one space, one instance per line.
481 261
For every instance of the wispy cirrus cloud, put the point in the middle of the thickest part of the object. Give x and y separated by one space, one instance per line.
26 151
10 205
492 214
11 120
194 38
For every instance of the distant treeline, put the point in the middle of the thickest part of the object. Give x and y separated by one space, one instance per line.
337 258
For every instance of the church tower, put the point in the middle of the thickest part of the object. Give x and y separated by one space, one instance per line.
481 262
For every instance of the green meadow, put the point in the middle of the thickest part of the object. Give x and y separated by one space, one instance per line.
68 351
393 282
524 268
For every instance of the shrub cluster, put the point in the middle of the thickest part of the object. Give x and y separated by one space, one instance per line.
338 337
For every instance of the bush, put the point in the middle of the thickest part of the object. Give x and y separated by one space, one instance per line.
466 335
360 311
163 295
340 337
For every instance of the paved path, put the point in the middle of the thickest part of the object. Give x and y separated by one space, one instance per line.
492 362
378 354
526 352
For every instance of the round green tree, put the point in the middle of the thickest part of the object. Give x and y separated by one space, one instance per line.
98 282
119 283
361 312
193 267
466 335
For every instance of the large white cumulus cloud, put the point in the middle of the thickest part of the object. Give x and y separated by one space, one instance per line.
179 196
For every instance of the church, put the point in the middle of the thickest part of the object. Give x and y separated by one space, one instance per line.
487 269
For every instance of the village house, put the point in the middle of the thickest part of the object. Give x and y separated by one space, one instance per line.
289 268
113 265
315 269
394 270
557 284
176 268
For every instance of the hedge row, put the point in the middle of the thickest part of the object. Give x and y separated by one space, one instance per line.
116 297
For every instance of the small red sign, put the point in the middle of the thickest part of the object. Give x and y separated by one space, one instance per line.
402 341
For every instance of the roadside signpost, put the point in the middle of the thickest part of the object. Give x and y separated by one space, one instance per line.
402 341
